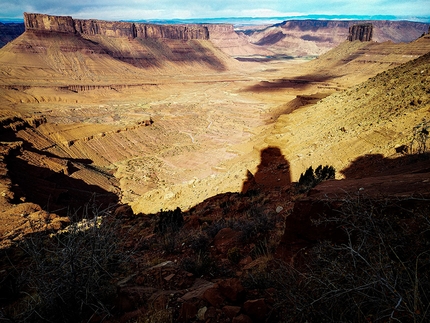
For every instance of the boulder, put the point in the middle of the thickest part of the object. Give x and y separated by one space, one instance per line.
226 239
256 309
231 289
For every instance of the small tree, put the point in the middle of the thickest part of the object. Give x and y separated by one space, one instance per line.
420 136
311 178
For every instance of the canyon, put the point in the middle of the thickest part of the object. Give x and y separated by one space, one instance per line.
208 119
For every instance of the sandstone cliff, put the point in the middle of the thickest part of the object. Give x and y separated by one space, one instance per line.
361 32
315 37
225 37
92 27
34 21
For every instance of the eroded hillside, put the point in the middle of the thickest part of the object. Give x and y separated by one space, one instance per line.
315 37
170 122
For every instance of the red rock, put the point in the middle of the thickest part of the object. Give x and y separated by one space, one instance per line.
123 211
231 311
213 296
191 222
231 289
187 312
361 32
197 290
242 318
169 277
121 29
245 261
211 313
256 309
226 239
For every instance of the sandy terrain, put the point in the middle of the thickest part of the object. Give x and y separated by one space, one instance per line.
208 124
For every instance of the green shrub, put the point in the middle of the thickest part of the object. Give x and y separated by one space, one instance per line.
311 178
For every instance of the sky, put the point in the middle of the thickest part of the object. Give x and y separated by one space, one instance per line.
191 9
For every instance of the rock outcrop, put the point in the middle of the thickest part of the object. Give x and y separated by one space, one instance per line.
361 32
66 24
315 37
225 37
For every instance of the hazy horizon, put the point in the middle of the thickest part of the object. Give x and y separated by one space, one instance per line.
252 20
115 10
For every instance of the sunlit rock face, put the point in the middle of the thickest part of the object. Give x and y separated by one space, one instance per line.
42 22
361 32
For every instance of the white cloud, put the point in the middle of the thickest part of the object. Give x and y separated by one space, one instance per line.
155 9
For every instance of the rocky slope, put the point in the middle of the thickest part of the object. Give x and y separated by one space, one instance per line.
226 147
65 51
371 118
185 157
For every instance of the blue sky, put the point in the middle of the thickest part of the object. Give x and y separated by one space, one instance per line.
186 9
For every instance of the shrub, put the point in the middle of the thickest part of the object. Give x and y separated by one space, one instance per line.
310 179
379 273
169 220
420 136
199 242
69 275
199 264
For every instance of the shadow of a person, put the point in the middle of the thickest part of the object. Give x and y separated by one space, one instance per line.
273 171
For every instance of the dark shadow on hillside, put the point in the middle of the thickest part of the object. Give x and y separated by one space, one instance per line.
188 52
294 83
29 147
378 165
142 53
272 172
53 191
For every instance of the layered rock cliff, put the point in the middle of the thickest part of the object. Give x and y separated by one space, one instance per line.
315 37
361 32
225 37
42 22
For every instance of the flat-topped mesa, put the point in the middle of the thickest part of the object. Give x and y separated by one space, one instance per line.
35 21
361 32
92 27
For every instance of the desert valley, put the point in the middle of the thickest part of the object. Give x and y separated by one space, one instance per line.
204 125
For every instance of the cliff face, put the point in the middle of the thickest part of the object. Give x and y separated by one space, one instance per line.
315 37
224 37
34 21
129 30
361 32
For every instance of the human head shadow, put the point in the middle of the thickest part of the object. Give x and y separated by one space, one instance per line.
273 172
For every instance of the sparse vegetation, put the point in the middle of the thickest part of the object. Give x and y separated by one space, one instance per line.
379 272
420 136
69 274
169 220
311 178
199 264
